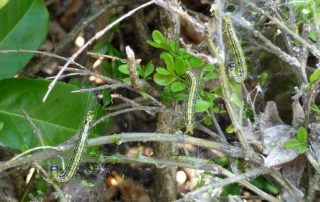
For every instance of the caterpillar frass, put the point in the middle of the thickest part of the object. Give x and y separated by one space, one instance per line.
66 175
237 71
189 112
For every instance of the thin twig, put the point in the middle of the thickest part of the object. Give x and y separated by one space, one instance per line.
118 158
102 87
140 108
34 127
99 55
42 53
128 137
127 100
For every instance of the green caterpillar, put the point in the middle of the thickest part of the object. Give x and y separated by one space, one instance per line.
189 112
237 71
66 175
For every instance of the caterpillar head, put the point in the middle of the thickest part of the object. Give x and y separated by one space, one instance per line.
54 168
189 129
232 65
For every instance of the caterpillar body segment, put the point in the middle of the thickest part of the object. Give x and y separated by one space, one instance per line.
237 71
66 175
190 110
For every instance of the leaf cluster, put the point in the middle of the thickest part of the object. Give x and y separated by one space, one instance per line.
172 74
299 142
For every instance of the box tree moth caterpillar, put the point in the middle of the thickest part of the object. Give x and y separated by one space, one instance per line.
66 175
237 71
189 112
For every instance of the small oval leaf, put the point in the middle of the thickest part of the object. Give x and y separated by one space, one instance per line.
178 86
315 76
180 66
163 80
163 71
124 69
158 37
202 106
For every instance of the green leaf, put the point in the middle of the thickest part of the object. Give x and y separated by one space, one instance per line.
307 87
165 95
174 45
59 118
211 97
148 70
168 60
143 94
202 106
314 108
158 37
180 66
183 52
236 88
127 80
314 76
218 91
262 183
302 135
302 149
211 75
207 121
115 139
215 110
139 70
178 86
3 3
222 161
249 113
1 126
154 44
124 69
292 143
195 61
163 80
230 129
107 99
24 25
179 96
209 68
313 35
231 189
163 71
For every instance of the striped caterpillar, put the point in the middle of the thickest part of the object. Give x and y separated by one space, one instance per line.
189 112
66 175
237 71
